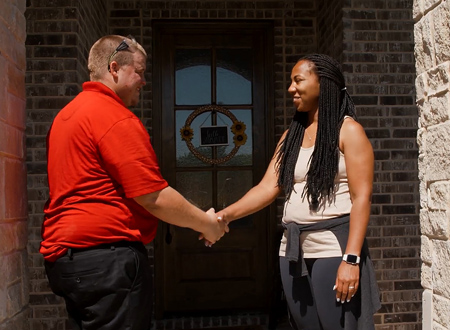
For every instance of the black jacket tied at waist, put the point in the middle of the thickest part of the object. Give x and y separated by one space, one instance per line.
339 227
368 289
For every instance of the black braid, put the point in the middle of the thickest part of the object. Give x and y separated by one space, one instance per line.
334 104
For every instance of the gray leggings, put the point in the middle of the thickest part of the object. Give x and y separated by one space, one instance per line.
311 299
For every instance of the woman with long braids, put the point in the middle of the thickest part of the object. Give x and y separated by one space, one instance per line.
324 165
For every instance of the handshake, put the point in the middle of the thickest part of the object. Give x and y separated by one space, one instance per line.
215 229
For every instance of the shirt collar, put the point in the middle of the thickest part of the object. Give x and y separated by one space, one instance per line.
95 86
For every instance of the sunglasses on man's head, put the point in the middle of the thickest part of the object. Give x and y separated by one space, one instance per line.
122 46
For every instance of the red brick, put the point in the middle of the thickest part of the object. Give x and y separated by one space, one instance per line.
15 185
16 81
11 141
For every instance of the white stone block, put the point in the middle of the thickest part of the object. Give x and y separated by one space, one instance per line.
418 49
427 310
438 327
441 311
425 227
417 9
436 110
441 269
422 107
421 86
441 18
421 135
426 250
438 79
439 195
423 45
426 277
437 225
429 4
423 195
438 151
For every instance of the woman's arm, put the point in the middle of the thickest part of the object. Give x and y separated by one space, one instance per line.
359 162
260 196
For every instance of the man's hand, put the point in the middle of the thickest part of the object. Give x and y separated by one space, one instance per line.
216 230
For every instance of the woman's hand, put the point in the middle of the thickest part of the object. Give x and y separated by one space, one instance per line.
221 223
347 281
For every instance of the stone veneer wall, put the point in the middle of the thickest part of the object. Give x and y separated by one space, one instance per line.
14 280
432 40
376 48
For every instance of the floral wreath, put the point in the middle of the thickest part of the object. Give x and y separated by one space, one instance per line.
238 129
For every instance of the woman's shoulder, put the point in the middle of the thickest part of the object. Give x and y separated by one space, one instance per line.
350 126
351 132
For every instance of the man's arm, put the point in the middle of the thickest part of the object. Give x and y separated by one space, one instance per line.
171 207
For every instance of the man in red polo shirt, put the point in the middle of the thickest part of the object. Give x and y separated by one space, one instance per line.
106 196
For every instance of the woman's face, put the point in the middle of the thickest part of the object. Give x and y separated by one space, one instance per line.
304 87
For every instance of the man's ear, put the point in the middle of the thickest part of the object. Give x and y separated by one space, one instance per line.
113 68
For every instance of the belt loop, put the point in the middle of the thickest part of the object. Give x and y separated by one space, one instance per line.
70 253
113 248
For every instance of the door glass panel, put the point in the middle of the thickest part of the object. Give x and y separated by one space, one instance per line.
244 156
196 187
231 186
192 76
234 76
185 158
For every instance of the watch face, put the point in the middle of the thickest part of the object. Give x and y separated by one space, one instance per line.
352 258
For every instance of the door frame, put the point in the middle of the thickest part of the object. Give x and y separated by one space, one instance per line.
159 27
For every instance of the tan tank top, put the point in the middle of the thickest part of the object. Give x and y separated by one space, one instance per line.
318 244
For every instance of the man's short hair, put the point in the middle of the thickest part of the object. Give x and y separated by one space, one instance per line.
103 52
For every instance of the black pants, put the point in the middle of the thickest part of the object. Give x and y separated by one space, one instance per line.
105 288
311 299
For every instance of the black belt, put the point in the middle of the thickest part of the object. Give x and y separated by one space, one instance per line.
137 245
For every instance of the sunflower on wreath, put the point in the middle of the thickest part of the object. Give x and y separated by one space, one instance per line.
238 127
186 133
239 139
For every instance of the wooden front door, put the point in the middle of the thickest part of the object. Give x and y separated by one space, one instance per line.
212 131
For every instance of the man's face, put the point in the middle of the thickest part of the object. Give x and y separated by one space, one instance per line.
131 80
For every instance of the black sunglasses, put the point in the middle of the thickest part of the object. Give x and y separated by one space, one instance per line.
122 46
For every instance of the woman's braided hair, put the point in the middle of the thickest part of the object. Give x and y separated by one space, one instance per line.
334 104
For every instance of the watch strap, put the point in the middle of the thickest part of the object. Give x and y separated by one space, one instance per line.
351 259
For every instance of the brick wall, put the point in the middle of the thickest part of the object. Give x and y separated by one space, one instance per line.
330 28
378 56
378 61
374 39
14 280
432 83
60 34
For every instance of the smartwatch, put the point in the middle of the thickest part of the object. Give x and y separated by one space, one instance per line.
351 259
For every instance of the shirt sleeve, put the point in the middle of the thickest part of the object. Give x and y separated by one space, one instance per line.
129 158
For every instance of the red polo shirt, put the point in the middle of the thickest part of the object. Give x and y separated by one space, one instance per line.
99 158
